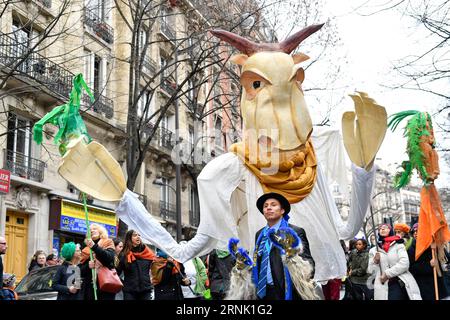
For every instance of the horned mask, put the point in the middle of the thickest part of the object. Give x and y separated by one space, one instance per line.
272 102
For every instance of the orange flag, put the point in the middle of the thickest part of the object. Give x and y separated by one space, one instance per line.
432 223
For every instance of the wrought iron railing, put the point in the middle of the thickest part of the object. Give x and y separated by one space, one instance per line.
194 218
149 66
166 138
168 210
167 85
101 104
34 65
45 72
100 27
147 128
143 199
167 30
23 166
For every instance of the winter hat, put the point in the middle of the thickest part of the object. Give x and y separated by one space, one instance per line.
415 227
401 227
68 250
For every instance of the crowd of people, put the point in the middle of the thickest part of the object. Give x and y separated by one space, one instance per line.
388 270
385 269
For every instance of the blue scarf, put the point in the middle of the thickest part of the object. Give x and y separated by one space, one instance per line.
255 270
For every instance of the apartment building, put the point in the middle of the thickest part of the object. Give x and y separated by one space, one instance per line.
44 43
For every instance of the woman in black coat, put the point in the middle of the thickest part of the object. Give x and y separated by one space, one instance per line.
67 279
104 254
422 271
135 262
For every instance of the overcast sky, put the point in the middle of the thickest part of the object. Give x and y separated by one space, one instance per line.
373 44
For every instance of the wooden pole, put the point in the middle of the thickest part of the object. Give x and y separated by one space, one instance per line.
375 235
434 258
94 274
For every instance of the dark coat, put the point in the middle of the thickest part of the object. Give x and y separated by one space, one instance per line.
358 263
276 263
170 286
423 273
219 272
136 274
106 257
60 282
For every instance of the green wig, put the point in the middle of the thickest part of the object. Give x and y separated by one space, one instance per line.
416 127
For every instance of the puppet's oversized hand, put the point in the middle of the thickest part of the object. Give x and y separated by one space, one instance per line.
93 170
364 130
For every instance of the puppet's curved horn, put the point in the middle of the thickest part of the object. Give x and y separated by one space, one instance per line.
243 45
289 45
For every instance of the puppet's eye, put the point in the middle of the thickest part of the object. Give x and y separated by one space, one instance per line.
252 83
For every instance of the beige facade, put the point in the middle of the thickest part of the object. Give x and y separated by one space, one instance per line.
94 41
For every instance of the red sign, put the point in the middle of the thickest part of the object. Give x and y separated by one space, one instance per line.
5 177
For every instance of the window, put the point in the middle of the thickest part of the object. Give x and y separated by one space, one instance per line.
194 211
94 71
19 150
191 136
165 190
19 135
25 37
191 91
218 132
101 9
164 67
143 100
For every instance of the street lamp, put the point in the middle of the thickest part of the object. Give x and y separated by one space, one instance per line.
159 182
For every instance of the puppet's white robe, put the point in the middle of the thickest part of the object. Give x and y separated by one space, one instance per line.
228 192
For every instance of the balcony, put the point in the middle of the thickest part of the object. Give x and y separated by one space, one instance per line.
23 166
168 86
168 211
147 128
99 27
165 138
167 31
101 105
35 66
149 66
46 73
194 218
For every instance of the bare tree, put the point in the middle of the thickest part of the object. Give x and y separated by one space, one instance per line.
426 70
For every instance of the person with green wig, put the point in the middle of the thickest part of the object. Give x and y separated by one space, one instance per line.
67 280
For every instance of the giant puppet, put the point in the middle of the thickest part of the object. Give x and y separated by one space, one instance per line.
280 152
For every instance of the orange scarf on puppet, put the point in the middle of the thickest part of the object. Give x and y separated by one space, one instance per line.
296 172
103 243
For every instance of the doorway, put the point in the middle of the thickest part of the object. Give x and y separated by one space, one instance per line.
16 234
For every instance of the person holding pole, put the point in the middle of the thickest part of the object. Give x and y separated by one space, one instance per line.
422 270
103 251
390 264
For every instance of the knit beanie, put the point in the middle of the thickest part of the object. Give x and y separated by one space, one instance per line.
68 250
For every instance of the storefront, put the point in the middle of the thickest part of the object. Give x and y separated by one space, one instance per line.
67 220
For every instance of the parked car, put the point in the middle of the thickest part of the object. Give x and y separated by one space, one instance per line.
37 285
